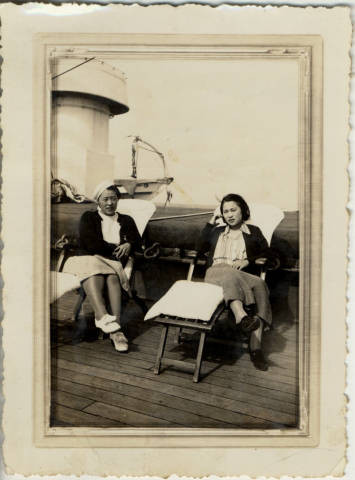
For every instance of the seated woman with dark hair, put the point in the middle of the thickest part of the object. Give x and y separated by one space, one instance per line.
106 240
233 250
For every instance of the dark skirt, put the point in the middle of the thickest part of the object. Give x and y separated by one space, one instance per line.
239 285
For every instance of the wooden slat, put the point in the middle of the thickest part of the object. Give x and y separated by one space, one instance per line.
210 416
184 323
253 398
237 382
67 360
188 366
159 406
76 418
67 399
241 376
133 419
128 417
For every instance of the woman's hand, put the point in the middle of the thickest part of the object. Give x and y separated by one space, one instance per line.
122 250
214 218
240 264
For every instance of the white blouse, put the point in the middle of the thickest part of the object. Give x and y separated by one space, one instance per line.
110 228
231 246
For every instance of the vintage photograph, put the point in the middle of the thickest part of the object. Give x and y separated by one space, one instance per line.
174 193
178 224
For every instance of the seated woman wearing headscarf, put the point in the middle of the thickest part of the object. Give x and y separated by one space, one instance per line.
233 250
106 240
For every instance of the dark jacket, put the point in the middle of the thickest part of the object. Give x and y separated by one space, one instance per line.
255 244
91 240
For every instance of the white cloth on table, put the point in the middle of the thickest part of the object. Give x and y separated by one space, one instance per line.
185 299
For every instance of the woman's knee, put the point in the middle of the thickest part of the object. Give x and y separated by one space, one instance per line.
259 282
93 281
113 280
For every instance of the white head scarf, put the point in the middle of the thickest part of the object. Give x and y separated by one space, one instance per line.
101 187
109 226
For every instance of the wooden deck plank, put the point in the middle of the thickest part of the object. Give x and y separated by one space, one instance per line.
232 351
217 417
227 397
285 374
68 360
130 399
256 398
77 418
223 381
227 363
233 389
69 399
240 377
227 358
130 418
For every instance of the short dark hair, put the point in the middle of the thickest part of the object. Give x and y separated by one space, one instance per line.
115 189
233 197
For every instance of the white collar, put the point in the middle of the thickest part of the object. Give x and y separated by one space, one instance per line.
243 228
107 217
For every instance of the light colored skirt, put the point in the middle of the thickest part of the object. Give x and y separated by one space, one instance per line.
85 266
239 285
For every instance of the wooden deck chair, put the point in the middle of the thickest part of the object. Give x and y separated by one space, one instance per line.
141 211
179 307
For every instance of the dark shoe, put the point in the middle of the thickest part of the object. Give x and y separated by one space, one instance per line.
248 324
258 359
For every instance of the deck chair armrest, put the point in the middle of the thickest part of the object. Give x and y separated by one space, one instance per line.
65 247
267 263
151 252
261 261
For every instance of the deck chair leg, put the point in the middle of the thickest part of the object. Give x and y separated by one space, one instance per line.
80 323
79 303
164 334
177 336
140 302
201 345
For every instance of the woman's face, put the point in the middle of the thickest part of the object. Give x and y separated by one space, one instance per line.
232 214
108 202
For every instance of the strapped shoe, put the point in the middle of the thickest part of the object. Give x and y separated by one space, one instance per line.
258 359
119 341
108 324
248 324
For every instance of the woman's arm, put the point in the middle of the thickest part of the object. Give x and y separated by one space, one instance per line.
129 233
259 247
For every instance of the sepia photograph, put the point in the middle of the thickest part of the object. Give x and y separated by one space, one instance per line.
177 258
175 238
